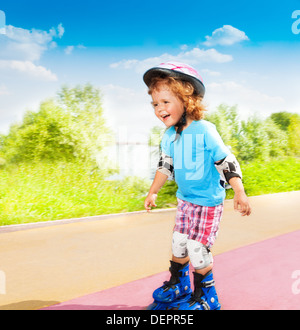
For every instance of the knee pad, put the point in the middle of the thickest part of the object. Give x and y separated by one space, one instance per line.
179 243
200 255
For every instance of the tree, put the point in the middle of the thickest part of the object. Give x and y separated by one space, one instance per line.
282 119
228 125
84 105
253 141
43 135
155 136
253 138
290 124
294 135
277 139
66 128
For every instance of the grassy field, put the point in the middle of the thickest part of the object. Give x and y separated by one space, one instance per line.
41 192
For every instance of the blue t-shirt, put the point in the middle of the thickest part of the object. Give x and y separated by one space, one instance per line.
194 154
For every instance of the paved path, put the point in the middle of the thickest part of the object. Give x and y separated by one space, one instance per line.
248 278
53 265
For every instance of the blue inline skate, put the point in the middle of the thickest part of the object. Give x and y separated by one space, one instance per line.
178 288
204 296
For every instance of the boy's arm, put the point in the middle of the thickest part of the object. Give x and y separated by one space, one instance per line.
240 199
164 170
230 171
158 182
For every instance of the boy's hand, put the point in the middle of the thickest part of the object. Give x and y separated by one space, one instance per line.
241 203
150 202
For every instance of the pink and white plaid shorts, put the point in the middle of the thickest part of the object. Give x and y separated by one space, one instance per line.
200 223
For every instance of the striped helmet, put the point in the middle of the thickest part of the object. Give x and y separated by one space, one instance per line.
177 70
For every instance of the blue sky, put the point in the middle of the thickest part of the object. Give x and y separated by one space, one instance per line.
246 52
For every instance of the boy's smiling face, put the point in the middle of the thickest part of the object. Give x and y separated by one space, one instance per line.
168 108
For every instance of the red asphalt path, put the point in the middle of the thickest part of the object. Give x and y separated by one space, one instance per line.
263 275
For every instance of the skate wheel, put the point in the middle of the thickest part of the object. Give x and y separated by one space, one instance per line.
151 307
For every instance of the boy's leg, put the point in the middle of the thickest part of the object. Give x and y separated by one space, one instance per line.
180 260
179 284
204 296
204 228
204 270
195 230
178 288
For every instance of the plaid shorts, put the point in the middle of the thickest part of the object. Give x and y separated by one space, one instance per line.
200 223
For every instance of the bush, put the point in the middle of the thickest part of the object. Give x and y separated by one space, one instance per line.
67 128
31 192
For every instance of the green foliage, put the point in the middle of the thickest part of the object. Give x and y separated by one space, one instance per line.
294 135
228 125
256 138
274 176
84 105
290 124
53 164
156 135
282 119
44 135
46 191
66 128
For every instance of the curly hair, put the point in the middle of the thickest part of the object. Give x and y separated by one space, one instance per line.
184 91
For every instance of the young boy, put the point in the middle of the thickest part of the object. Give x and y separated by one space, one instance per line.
194 152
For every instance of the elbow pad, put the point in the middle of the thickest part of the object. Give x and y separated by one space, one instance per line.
228 168
165 165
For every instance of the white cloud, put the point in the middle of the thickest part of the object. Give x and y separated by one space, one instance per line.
69 49
27 45
184 47
60 30
225 36
249 100
192 57
25 81
211 73
29 68
20 48
3 90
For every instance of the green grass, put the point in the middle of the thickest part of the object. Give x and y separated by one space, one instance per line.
279 175
31 193
41 192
